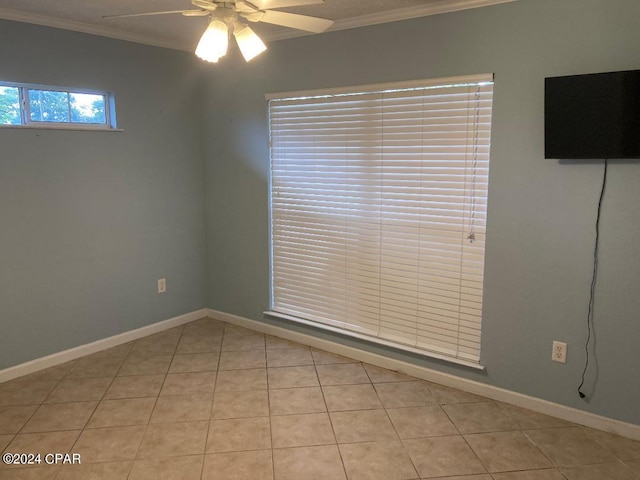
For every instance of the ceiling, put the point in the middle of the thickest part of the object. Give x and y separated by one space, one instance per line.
182 33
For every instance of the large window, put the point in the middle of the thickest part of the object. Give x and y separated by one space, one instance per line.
39 106
378 208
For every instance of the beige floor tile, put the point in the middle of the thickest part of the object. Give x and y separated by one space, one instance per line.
182 408
230 329
443 456
201 328
608 471
95 471
199 344
362 426
634 466
39 473
289 357
317 463
320 357
12 419
569 446
342 374
145 365
204 325
239 434
302 430
174 440
286 401
274 343
382 375
119 351
109 444
404 394
211 340
526 419
158 344
546 474
446 395
194 362
238 466
377 461
43 443
351 397
5 439
623 448
133 387
211 328
174 468
468 477
242 360
123 412
253 403
79 390
31 393
53 373
58 417
290 377
95 367
507 451
241 380
236 343
478 417
188 383
419 422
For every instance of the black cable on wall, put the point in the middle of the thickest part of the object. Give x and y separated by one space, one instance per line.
593 280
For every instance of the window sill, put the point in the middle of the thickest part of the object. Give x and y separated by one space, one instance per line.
377 341
84 128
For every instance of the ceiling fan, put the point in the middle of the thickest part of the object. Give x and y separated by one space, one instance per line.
224 18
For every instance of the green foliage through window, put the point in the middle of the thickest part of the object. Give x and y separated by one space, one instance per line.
9 106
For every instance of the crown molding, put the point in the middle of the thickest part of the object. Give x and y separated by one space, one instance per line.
436 7
91 29
433 8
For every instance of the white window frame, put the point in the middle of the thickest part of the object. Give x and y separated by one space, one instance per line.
25 113
346 327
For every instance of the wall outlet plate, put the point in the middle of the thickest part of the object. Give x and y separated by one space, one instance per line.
559 352
162 285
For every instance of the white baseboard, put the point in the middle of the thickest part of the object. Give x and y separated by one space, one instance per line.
97 346
557 410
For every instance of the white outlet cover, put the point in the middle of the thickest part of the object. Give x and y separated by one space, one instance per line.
559 352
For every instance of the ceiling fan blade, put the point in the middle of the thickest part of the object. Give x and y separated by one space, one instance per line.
270 4
187 13
204 4
196 13
293 20
246 7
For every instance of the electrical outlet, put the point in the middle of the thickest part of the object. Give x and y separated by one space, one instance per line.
162 285
559 352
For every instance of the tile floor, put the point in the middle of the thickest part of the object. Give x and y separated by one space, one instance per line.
211 400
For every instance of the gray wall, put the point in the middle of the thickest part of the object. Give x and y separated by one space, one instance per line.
541 212
90 220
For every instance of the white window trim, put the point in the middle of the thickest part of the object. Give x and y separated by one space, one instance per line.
27 123
379 87
350 91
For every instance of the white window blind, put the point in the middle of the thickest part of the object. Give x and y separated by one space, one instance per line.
378 209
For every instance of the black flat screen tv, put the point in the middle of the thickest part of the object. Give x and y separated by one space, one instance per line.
593 116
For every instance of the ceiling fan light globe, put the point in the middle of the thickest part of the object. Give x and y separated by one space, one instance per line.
214 42
249 43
